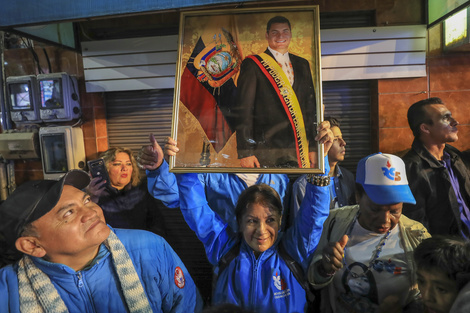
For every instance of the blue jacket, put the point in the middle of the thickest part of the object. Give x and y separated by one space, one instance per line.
97 289
222 190
345 186
265 284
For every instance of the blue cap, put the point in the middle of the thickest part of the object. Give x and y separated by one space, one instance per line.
383 177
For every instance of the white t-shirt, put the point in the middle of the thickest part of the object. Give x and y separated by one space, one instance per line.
249 179
354 291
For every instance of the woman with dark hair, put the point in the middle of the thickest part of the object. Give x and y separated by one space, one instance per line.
359 283
126 203
252 271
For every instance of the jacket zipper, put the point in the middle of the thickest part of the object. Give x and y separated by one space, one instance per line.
80 280
255 279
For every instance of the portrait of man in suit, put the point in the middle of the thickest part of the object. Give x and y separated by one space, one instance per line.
276 105
248 91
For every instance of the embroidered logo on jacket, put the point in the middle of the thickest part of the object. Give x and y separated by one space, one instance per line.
179 278
280 285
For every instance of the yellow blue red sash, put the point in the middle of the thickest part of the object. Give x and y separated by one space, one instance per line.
283 88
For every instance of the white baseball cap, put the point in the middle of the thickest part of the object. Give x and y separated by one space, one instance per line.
383 177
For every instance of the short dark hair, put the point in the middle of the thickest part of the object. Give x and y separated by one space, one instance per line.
334 122
448 254
277 19
29 231
417 114
259 194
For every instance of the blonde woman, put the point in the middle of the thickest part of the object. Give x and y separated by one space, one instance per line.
126 202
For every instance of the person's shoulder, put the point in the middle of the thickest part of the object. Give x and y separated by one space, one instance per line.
344 212
462 302
136 239
346 172
452 149
8 275
411 156
249 59
414 227
295 57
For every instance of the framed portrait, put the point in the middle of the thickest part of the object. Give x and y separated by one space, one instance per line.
248 91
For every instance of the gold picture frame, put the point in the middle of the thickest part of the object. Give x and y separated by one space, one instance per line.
219 94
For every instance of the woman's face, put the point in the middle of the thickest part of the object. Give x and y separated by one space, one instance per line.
358 283
260 226
120 171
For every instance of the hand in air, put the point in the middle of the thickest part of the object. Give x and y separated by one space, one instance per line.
151 156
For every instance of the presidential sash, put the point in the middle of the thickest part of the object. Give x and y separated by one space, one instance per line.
286 94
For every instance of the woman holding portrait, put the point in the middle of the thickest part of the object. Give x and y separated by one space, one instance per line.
252 265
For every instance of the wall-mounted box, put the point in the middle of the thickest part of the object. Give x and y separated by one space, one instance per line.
19 145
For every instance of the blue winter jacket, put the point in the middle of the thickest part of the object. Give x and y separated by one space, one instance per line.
265 284
97 289
222 190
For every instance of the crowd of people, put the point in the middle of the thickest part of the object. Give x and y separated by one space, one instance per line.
394 237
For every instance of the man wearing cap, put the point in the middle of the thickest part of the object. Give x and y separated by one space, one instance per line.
438 173
73 262
364 261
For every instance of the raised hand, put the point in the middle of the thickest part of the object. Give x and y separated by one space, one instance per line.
151 156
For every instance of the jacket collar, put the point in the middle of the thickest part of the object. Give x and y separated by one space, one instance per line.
424 153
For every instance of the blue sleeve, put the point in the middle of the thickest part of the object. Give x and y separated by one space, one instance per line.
9 293
181 293
301 240
207 225
298 194
162 186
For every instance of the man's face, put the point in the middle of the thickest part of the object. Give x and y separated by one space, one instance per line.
75 227
444 126
378 218
338 149
438 290
279 36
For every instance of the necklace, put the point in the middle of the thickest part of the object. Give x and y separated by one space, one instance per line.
375 255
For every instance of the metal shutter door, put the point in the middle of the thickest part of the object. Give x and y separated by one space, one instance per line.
132 115
350 103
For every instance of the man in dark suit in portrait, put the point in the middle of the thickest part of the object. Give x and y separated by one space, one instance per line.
275 105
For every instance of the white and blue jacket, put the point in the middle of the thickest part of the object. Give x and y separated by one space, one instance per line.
97 288
265 284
